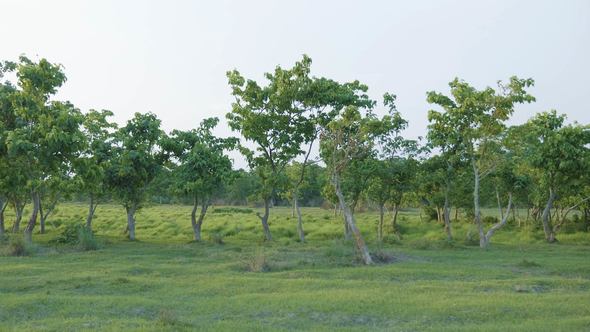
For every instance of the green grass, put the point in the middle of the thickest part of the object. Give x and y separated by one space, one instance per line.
166 282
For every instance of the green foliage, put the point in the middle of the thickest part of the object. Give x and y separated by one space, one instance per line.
77 235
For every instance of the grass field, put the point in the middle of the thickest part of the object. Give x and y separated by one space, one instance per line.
166 282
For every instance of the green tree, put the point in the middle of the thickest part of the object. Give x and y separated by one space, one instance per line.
91 167
283 116
560 155
203 167
47 136
137 159
473 121
346 139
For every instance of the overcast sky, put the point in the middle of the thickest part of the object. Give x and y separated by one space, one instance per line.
170 57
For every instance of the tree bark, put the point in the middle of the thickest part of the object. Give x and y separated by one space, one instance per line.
394 219
447 216
499 204
299 218
350 221
2 208
33 220
476 208
198 223
91 209
499 225
264 220
131 221
18 211
549 234
380 226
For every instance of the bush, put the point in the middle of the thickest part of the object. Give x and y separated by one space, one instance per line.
86 239
258 262
69 235
18 247
472 237
77 235
430 213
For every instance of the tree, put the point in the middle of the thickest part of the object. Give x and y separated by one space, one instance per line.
136 160
346 139
560 155
473 120
47 136
92 165
203 167
281 117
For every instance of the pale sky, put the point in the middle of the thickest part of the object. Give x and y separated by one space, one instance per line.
170 57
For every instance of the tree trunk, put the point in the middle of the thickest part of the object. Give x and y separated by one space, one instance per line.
2 208
131 221
347 233
264 219
549 234
380 226
18 211
299 218
499 204
349 217
499 225
198 223
41 219
476 208
91 209
33 220
394 219
447 216
196 229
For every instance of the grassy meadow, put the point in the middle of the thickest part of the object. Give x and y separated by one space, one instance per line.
235 281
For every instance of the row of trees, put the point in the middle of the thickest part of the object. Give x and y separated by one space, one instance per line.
50 150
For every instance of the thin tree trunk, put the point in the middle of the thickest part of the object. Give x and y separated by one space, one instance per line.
299 218
499 204
196 230
131 221
549 234
563 217
380 226
350 221
447 216
18 211
264 219
41 219
394 219
91 209
456 214
476 207
3 205
199 223
33 220
499 225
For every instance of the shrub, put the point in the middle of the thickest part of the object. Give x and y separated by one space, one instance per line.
69 235
18 247
258 262
86 239
430 213
77 235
